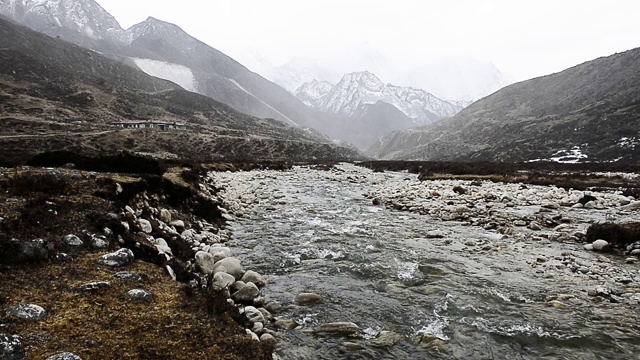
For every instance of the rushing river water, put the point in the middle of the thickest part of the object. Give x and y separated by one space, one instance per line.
376 267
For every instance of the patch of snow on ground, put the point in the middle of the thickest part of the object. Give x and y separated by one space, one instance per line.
178 74
627 142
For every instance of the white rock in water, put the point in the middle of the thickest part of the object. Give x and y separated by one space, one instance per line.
600 245
588 247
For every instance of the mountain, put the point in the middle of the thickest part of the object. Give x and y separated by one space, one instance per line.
587 113
55 96
162 49
358 88
459 79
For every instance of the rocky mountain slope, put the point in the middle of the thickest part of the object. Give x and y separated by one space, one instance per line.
587 113
57 96
160 48
364 87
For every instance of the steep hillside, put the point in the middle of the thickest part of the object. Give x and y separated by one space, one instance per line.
159 48
590 112
58 96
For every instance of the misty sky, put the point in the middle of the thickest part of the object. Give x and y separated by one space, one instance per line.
522 38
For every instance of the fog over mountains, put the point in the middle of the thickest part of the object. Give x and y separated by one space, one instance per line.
459 79
362 100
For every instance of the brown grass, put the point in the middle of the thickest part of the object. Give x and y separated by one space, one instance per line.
105 325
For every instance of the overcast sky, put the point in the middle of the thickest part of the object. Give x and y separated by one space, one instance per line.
522 38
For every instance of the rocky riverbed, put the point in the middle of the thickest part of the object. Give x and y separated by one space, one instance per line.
382 265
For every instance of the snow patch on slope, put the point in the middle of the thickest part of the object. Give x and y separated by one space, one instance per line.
178 74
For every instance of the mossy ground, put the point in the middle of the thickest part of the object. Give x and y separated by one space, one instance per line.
179 323
104 324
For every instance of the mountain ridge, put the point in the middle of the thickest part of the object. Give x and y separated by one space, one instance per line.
588 110
361 87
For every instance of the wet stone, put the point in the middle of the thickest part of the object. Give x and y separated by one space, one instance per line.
95 285
27 312
249 292
127 275
254 277
65 356
342 328
253 314
11 347
387 338
308 299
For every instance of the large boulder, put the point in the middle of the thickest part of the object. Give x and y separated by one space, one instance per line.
229 265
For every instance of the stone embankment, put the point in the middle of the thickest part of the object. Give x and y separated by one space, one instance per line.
180 227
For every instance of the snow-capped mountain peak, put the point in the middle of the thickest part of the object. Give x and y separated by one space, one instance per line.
359 88
50 16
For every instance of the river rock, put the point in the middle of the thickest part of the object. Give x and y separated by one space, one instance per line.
220 252
72 240
268 339
139 294
600 245
247 293
307 299
286 323
145 226
11 347
588 247
119 258
253 314
222 280
387 339
165 216
95 285
27 312
254 277
434 234
352 346
204 262
341 328
65 356
229 265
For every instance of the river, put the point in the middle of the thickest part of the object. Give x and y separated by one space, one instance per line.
446 289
